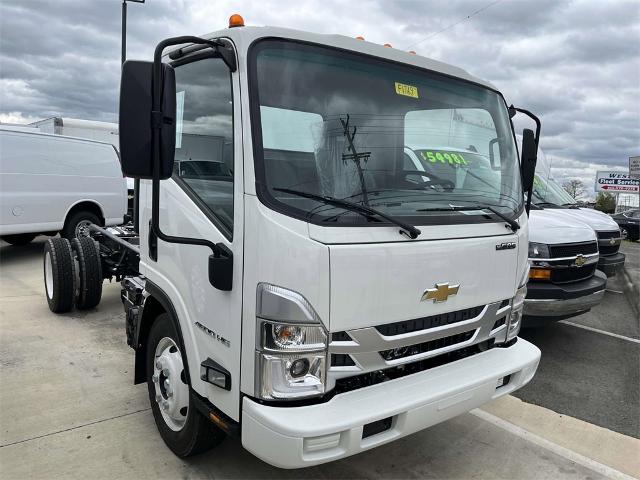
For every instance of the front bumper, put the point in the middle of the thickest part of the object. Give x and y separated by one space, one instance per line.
610 264
547 301
295 437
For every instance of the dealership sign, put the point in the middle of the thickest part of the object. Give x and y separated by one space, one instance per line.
634 167
616 182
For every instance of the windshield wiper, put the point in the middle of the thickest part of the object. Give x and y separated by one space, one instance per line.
548 204
515 226
406 229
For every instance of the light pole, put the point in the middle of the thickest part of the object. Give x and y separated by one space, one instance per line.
123 55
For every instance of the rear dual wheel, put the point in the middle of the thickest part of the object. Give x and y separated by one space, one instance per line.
72 274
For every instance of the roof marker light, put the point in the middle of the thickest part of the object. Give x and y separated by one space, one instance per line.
412 52
388 45
359 37
236 20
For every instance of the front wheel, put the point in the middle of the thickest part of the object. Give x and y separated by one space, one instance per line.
185 431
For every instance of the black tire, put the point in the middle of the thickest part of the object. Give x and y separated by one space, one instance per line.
198 433
19 238
59 275
71 224
89 290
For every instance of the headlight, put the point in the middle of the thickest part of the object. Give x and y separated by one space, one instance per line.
291 347
515 317
538 250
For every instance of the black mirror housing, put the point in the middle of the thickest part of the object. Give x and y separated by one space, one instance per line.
137 120
529 159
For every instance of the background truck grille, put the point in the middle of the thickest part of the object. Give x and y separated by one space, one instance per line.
408 326
566 275
604 242
573 249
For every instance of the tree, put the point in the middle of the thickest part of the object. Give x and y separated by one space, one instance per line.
575 188
606 202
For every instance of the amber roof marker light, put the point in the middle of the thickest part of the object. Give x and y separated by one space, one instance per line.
236 20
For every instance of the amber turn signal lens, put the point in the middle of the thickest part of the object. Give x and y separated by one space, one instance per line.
359 37
540 274
236 20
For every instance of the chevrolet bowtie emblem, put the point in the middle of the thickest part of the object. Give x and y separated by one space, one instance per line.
441 293
613 241
580 260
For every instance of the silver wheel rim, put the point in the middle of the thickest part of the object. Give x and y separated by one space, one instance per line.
82 228
48 275
171 389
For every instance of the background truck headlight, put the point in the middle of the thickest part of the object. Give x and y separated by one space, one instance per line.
291 346
538 250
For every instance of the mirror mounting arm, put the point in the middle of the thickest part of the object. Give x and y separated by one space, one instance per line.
220 251
512 112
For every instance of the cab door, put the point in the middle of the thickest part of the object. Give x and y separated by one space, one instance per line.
203 199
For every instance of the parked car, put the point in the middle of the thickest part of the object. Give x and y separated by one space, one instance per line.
53 183
629 222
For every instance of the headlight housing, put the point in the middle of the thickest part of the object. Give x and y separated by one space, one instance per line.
291 346
538 250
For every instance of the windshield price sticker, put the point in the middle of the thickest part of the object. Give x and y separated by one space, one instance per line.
406 90
452 158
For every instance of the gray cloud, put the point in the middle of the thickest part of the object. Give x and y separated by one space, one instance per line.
576 63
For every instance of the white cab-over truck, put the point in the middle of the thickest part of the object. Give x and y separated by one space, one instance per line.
290 280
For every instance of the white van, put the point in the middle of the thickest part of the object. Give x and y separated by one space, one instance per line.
51 184
549 195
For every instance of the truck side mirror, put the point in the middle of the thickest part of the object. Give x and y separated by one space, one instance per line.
529 159
137 120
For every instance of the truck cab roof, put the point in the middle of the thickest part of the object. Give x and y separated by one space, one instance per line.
243 37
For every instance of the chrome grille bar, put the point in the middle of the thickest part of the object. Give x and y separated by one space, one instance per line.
368 342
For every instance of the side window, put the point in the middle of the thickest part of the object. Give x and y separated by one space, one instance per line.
204 135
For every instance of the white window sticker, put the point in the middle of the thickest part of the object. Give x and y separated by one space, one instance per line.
179 115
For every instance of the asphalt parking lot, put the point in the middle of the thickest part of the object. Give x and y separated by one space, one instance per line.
69 409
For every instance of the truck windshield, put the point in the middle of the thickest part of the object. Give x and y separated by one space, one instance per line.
408 142
546 192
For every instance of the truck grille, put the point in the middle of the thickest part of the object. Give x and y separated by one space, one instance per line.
402 352
566 275
573 249
364 380
378 350
604 242
432 321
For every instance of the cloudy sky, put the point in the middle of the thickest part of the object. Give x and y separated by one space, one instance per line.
574 63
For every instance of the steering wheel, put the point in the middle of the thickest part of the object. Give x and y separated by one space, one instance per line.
433 180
